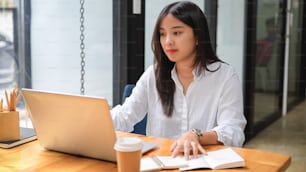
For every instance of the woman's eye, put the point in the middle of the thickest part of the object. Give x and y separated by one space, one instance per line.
162 34
177 33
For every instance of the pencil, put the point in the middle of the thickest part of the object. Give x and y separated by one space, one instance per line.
7 101
11 102
13 97
16 88
18 97
15 103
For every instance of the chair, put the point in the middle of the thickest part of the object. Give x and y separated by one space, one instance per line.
140 127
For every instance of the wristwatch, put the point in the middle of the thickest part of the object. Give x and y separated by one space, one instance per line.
198 132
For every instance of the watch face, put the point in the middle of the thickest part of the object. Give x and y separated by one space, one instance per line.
197 131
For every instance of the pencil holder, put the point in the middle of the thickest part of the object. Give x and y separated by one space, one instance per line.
9 126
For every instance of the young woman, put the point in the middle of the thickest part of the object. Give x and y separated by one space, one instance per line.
189 94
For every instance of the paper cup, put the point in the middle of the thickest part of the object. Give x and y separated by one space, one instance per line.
128 153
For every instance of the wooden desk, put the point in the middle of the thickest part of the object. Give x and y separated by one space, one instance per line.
32 157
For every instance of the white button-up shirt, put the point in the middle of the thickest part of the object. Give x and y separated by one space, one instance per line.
213 101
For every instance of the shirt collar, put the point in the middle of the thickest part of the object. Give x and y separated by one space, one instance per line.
194 72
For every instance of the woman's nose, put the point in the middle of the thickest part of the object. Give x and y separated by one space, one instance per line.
169 40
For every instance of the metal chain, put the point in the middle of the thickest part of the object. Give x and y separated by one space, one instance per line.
82 47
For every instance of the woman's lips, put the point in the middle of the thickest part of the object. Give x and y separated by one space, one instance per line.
171 51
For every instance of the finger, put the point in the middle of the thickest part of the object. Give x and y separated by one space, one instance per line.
175 152
201 149
187 148
176 149
194 149
173 146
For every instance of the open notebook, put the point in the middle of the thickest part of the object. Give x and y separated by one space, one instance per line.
218 159
74 124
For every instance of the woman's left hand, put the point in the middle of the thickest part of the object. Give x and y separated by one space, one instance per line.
187 143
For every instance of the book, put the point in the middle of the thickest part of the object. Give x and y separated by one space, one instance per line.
26 135
219 159
161 162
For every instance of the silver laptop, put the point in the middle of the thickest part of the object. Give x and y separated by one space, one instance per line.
74 124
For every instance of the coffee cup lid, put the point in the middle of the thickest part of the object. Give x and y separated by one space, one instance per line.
128 144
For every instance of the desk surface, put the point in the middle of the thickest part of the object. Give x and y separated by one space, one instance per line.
33 157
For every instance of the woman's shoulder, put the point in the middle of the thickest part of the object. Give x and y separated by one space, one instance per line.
148 72
222 75
221 67
221 70
150 68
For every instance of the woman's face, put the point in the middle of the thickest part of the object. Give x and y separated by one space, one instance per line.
177 40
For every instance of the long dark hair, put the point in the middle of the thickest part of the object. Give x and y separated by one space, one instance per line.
190 14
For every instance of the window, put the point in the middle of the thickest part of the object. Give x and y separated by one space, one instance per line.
51 46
